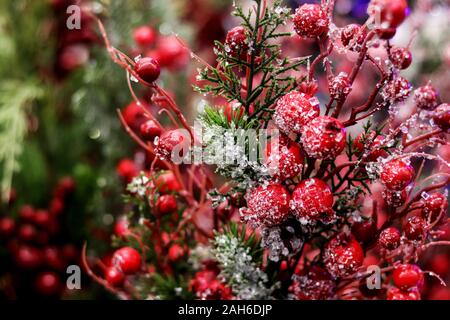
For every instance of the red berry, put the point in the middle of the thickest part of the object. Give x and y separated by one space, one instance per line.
367 142
121 227
166 204
26 213
397 294
42 218
426 97
207 287
56 207
295 110
388 13
323 138
114 276
127 259
27 233
310 21
398 90
435 206
441 116
407 276
401 57
395 198
268 205
176 252
53 258
315 284
28 257
353 35
133 115
343 255
414 228
389 238
284 161
171 53
147 69
166 182
172 145
312 200
236 42
7 227
386 34
126 169
339 86
364 230
48 283
150 129
144 36
397 174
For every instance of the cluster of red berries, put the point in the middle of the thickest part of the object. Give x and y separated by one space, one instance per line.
207 286
408 279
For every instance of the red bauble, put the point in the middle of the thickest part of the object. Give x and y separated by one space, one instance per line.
435 206
389 238
150 129
343 255
268 205
48 283
397 294
323 138
397 174
339 86
367 142
414 228
407 276
310 21
147 69
441 116
166 182
401 57
126 169
166 204
172 145
114 276
7 227
144 36
388 13
294 110
398 90
127 259
364 230
284 160
236 42
426 97
312 200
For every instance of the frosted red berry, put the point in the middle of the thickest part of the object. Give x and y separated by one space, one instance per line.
150 129
395 198
414 227
323 138
407 276
144 36
388 13
166 204
284 161
441 116
370 143
401 57
435 206
398 90
147 69
268 205
339 86
114 276
312 200
206 286
236 42
389 238
398 294
426 97
343 255
172 145
127 259
397 174
352 36
310 21
294 110
315 284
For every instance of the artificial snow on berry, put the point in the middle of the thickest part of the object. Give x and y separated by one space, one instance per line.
150 129
395 198
339 86
414 228
310 21
389 238
352 36
441 116
426 97
284 161
401 57
397 174
343 255
236 42
398 90
435 207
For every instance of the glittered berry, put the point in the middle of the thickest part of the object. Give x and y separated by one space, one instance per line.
126 169
370 145
343 255
166 204
144 36
147 69
127 259
315 284
435 207
284 161
172 145
310 21
114 276
407 276
441 116
312 200
395 198
236 42
426 97
389 238
414 228
323 138
48 283
150 129
397 174
398 294
267 205
388 13
397 90
353 36
339 86
364 230
166 182
401 57
294 110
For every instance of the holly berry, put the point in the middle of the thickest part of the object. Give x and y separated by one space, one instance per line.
435 206
166 204
397 174
236 41
398 90
389 238
48 283
310 21
284 161
144 36
323 138
441 116
370 143
388 13
150 129
268 205
170 142
426 97
167 182
312 200
414 228
114 276
147 69
127 259
7 227
401 57
343 255
407 276
339 86
126 169
364 230
294 110
395 198
398 294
